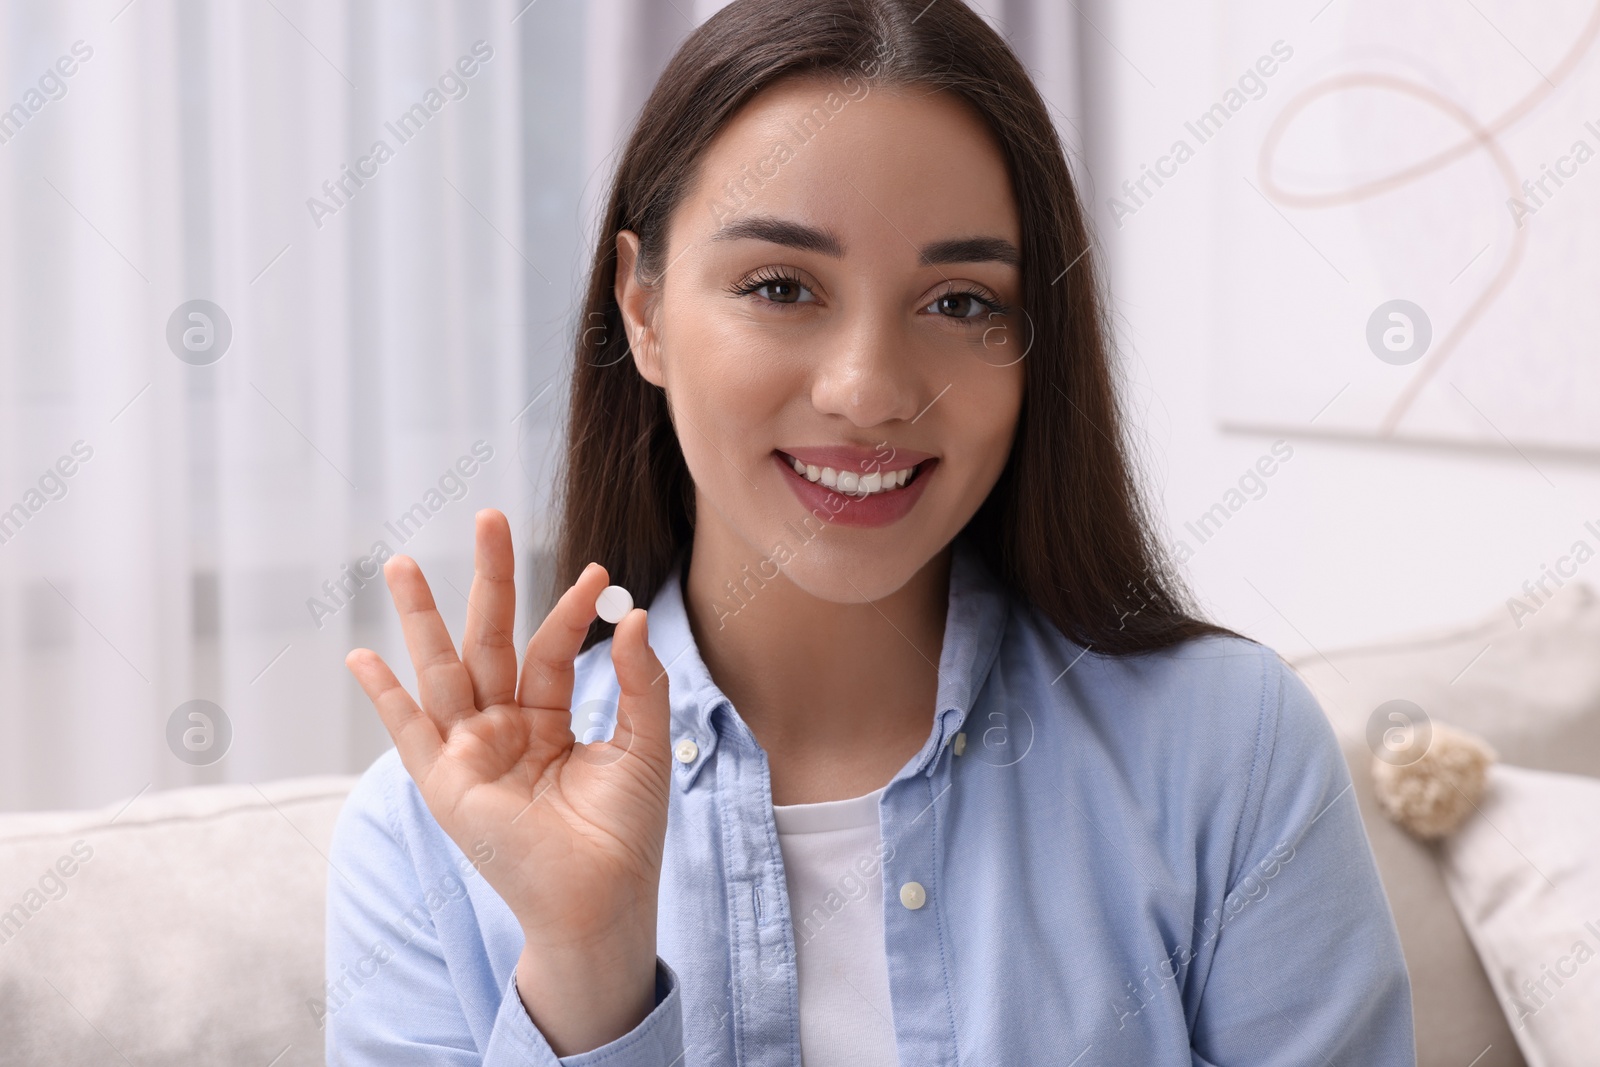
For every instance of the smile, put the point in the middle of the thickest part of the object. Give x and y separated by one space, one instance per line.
842 496
850 482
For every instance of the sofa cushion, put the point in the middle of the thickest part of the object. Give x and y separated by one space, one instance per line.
205 905
1525 877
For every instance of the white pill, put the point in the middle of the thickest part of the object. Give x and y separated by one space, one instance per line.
613 603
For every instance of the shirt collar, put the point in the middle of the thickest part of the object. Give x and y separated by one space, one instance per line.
975 621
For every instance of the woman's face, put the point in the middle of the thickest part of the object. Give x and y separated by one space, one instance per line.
838 331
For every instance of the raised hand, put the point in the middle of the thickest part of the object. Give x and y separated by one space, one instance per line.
576 829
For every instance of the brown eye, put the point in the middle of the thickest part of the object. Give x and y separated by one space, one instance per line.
957 305
781 291
961 305
775 288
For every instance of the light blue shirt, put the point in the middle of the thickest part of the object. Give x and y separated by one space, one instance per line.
1149 860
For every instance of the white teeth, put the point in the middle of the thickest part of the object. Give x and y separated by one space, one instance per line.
851 482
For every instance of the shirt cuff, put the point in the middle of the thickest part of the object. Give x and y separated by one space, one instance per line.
656 1042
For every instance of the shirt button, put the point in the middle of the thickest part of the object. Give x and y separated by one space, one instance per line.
961 743
687 750
912 895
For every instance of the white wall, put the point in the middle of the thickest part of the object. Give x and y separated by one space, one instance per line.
1353 540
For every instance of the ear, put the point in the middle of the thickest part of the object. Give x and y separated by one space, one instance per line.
634 300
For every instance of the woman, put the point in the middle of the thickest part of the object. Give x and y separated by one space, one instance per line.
917 755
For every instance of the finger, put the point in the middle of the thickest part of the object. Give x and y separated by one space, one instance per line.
547 665
442 681
488 651
644 721
414 734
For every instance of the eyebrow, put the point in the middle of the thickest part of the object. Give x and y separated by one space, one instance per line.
825 242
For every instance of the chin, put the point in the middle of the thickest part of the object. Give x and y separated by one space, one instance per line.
833 584
839 566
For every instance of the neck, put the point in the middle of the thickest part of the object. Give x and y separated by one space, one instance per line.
839 696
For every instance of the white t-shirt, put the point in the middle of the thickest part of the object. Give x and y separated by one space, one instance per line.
832 860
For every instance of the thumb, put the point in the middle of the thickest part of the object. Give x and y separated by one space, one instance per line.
644 716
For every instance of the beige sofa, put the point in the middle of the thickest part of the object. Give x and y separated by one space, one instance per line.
191 933
186 926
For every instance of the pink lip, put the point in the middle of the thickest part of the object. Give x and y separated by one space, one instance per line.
843 509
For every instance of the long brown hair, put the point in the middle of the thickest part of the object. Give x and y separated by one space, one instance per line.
1065 527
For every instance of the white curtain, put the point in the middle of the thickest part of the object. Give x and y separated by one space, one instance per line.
185 522
380 332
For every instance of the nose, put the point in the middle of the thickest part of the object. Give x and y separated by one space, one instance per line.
867 372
